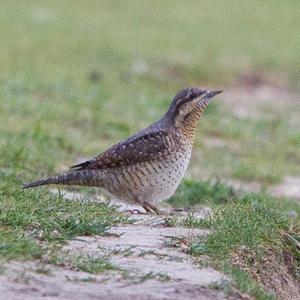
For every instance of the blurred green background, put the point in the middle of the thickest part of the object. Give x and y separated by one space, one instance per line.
77 76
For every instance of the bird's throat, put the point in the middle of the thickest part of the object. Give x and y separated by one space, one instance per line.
189 124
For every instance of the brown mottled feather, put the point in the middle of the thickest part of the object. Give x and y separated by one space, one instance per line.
147 145
147 167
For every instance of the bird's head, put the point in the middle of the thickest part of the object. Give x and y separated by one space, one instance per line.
189 103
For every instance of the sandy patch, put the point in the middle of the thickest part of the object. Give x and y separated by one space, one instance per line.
154 268
290 187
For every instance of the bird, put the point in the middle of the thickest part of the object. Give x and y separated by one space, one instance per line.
146 168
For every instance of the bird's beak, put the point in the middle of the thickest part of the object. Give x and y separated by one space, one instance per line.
211 94
205 98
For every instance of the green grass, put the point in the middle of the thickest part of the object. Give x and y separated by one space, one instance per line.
205 40
254 238
192 193
91 264
246 232
69 89
262 149
27 217
245 222
15 244
78 262
99 264
77 77
152 275
190 221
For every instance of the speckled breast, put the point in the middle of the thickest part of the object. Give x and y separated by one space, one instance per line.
152 181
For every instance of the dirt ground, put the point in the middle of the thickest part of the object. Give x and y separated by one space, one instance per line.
154 268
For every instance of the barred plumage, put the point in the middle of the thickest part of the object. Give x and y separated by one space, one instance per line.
147 167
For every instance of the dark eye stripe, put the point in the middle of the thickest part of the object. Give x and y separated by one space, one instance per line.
182 97
183 101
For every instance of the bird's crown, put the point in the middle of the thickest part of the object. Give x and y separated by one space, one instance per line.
189 93
189 101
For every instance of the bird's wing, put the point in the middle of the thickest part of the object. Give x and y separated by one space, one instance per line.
139 148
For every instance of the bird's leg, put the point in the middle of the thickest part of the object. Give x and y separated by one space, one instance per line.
149 208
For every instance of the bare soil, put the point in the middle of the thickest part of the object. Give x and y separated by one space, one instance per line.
256 100
274 272
149 267
155 269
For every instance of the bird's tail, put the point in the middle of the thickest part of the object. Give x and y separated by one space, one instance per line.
83 177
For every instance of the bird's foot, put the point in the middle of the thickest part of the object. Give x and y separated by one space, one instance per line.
151 209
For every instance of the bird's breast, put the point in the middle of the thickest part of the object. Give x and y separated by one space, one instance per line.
153 180
157 180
